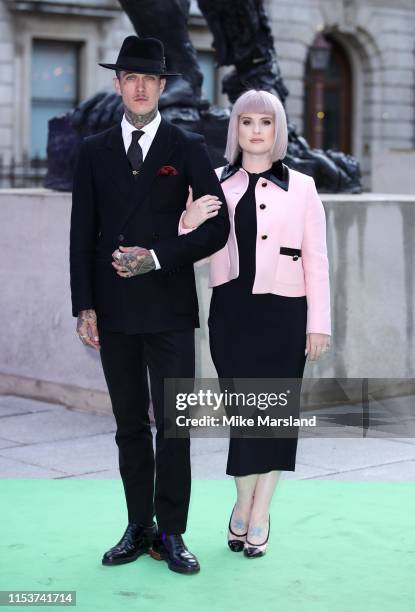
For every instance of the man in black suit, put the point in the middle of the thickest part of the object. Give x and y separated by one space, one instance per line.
133 290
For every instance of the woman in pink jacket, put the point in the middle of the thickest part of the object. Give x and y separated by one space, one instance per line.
270 306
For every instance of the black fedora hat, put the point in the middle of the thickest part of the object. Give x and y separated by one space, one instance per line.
142 55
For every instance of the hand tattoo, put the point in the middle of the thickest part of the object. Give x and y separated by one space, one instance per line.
132 261
137 120
86 316
137 264
86 327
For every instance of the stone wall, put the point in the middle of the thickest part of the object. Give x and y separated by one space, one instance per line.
372 258
7 87
378 37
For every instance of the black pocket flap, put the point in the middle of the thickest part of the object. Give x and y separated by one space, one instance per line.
295 253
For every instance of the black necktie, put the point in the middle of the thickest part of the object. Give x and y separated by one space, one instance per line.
135 152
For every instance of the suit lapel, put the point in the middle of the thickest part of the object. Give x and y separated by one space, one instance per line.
116 167
158 153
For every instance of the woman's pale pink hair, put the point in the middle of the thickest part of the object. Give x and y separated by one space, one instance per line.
263 102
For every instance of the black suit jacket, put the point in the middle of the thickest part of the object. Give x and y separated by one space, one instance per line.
111 207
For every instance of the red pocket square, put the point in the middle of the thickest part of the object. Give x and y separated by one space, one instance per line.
167 171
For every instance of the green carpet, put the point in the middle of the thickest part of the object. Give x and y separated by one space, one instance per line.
334 546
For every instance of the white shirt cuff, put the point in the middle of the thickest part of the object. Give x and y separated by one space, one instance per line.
156 261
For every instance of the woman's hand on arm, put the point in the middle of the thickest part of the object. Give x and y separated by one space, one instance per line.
316 345
200 210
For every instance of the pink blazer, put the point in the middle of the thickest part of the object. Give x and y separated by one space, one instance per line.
289 220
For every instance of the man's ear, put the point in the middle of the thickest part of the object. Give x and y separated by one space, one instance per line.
162 85
116 83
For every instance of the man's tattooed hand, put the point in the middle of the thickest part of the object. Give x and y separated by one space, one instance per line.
132 261
87 328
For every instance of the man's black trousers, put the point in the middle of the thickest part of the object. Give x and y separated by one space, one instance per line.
154 483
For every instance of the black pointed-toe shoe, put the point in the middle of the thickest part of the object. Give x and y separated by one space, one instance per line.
172 549
235 545
136 541
252 551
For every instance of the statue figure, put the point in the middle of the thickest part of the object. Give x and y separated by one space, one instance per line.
241 38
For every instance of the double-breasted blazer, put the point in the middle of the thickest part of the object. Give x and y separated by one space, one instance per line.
291 252
112 207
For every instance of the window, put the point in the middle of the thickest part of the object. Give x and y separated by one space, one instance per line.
328 102
54 78
207 66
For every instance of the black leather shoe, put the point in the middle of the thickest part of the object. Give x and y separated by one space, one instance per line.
235 545
251 551
172 549
136 541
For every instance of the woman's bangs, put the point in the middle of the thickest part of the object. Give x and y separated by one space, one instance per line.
255 103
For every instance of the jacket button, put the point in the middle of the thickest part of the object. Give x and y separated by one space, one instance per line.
264 237
295 257
264 184
156 236
121 237
262 206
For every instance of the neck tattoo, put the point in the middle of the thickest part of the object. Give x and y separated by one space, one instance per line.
139 121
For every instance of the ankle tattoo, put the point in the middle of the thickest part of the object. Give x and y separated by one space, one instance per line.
239 523
256 531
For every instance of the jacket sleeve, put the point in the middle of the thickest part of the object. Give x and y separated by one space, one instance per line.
211 235
83 235
316 265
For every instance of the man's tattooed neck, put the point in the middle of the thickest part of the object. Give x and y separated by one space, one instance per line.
139 121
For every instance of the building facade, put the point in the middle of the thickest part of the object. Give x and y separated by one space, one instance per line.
362 103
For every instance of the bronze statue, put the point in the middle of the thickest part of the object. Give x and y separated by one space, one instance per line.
241 38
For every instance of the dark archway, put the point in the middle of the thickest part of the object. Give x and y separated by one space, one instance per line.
328 113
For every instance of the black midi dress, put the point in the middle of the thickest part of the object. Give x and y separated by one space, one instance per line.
256 336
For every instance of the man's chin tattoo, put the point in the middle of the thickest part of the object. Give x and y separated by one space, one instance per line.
138 120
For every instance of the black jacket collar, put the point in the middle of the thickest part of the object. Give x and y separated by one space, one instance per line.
279 173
